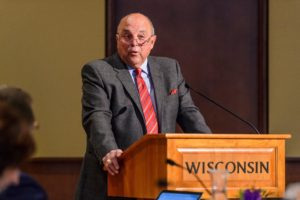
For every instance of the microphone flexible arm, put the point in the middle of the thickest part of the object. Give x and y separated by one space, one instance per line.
224 108
173 163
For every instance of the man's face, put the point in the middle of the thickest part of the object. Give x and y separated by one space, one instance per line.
10 176
135 39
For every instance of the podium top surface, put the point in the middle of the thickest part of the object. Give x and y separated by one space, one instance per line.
235 136
225 135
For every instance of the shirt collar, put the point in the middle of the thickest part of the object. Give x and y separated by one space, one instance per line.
143 67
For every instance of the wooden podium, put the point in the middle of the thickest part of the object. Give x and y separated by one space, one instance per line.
252 160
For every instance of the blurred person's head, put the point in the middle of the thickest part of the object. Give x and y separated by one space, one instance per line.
16 141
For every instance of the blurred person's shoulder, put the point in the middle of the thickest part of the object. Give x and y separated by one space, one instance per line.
28 189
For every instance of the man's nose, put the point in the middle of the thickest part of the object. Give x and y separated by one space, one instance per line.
134 42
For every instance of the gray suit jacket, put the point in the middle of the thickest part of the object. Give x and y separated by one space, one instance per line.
113 118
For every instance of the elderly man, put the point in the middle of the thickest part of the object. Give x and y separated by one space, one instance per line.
126 96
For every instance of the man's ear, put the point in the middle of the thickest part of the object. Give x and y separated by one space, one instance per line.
153 40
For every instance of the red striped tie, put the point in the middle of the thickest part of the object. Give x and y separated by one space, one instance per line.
145 99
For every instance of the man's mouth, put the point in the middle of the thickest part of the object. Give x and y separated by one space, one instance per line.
133 53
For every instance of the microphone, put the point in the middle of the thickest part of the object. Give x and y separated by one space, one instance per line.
224 108
173 163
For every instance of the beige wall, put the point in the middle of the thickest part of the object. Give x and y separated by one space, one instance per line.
43 45
284 71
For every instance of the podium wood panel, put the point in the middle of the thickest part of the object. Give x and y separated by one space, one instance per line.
252 161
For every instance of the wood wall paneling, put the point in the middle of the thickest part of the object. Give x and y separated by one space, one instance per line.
292 170
58 176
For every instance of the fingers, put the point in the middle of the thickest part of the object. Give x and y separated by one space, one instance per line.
110 161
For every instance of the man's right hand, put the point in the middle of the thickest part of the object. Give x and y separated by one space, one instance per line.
110 161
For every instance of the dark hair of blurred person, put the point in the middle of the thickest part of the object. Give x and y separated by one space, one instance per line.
16 141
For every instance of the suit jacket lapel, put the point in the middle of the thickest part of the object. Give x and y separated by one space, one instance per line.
157 80
125 78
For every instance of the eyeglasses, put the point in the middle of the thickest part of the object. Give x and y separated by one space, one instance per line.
128 39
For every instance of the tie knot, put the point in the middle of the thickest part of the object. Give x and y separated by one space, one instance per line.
138 72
